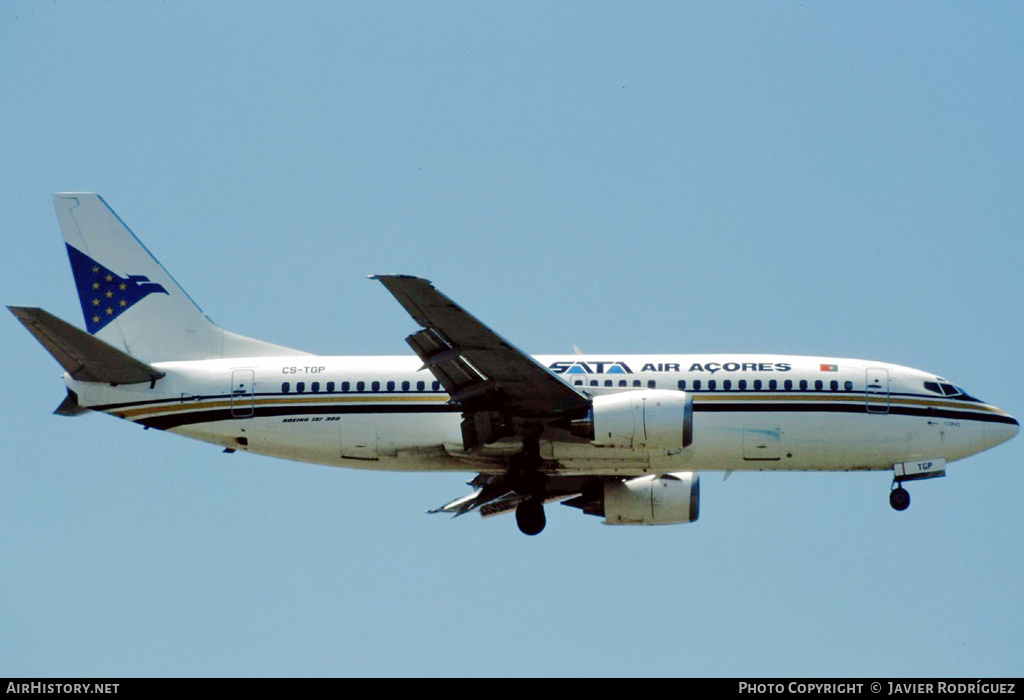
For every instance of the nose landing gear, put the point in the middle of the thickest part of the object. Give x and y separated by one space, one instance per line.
899 498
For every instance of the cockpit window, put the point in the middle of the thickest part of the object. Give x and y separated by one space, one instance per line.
964 395
947 389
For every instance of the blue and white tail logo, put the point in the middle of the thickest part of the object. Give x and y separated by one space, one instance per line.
167 325
104 294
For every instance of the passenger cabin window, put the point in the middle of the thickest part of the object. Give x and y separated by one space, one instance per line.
608 382
435 386
818 385
286 387
330 387
743 385
757 385
405 386
300 387
420 386
696 385
712 385
622 382
360 386
848 386
651 384
345 386
834 385
636 382
773 384
803 385
727 384
681 385
788 385
391 386
375 386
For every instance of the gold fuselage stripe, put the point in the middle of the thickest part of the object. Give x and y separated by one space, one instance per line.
723 398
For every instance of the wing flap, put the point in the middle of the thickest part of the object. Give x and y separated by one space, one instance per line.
444 361
495 495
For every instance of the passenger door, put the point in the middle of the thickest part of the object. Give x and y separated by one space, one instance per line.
876 394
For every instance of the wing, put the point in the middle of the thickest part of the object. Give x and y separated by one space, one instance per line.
503 391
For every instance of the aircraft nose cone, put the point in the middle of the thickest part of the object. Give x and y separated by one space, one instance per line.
998 433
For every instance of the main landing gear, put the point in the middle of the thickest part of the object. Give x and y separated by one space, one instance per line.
526 479
530 516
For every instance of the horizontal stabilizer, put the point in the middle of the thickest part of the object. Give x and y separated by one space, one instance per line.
86 358
70 406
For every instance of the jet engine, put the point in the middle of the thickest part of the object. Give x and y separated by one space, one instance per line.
646 500
647 419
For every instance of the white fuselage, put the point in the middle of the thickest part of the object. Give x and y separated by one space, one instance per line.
750 412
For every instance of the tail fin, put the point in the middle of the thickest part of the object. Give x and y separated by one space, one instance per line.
130 301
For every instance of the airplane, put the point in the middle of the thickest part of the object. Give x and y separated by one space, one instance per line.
621 437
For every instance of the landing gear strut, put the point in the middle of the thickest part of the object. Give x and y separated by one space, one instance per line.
899 498
933 468
526 479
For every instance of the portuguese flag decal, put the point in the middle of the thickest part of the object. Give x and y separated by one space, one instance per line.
830 368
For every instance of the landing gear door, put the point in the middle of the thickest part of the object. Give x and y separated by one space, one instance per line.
242 381
877 392
913 471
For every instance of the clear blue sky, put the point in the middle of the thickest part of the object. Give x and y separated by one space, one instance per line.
821 178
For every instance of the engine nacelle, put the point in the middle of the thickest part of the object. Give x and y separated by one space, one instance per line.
653 500
646 419
646 500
